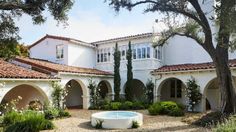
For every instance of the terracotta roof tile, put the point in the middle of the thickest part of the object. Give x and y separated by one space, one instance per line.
189 67
58 38
54 67
9 70
143 35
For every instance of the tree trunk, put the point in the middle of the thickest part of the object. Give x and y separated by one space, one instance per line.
228 96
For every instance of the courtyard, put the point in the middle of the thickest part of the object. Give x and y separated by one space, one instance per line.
80 122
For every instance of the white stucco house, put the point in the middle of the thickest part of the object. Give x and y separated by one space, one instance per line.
73 62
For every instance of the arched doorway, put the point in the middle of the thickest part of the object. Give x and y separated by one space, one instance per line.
74 98
104 89
212 94
137 89
172 89
27 93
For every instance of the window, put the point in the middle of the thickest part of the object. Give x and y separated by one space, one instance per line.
143 52
148 52
175 89
134 53
155 53
101 56
139 53
98 59
59 51
109 54
159 53
105 57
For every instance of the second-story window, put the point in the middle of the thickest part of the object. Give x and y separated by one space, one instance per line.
134 53
109 54
148 52
98 59
102 56
143 52
139 53
59 51
159 53
105 55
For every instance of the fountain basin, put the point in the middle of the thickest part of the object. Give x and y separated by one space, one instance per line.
117 119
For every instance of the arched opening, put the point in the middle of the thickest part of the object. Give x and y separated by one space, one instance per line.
27 93
74 98
172 89
137 89
212 94
104 89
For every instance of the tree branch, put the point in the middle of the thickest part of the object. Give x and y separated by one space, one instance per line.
14 6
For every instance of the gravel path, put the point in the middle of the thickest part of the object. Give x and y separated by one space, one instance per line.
80 122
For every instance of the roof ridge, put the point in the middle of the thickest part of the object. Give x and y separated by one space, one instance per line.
123 37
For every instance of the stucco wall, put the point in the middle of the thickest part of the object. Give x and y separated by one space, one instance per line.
82 56
47 50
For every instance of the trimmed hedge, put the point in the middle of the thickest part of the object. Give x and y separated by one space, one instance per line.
126 105
166 108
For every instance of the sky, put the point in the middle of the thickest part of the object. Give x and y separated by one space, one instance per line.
89 21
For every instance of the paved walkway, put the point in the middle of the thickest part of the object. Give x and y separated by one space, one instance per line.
80 122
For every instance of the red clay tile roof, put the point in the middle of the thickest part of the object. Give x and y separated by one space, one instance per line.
58 38
189 67
54 67
9 70
143 35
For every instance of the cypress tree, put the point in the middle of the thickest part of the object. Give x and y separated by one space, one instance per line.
117 73
128 89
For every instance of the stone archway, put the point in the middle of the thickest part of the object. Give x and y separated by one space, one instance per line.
138 89
212 95
105 89
172 89
27 93
75 94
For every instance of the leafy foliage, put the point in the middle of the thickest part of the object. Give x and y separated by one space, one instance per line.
58 95
11 9
27 121
149 91
117 73
135 124
188 18
99 124
193 93
166 107
128 89
94 94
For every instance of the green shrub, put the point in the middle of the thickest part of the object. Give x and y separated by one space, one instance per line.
99 124
63 113
137 105
28 121
228 125
135 124
126 105
115 105
51 113
176 112
12 117
31 124
166 107
155 109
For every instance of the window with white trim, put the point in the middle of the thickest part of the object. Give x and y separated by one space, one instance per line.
59 51
139 53
148 52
